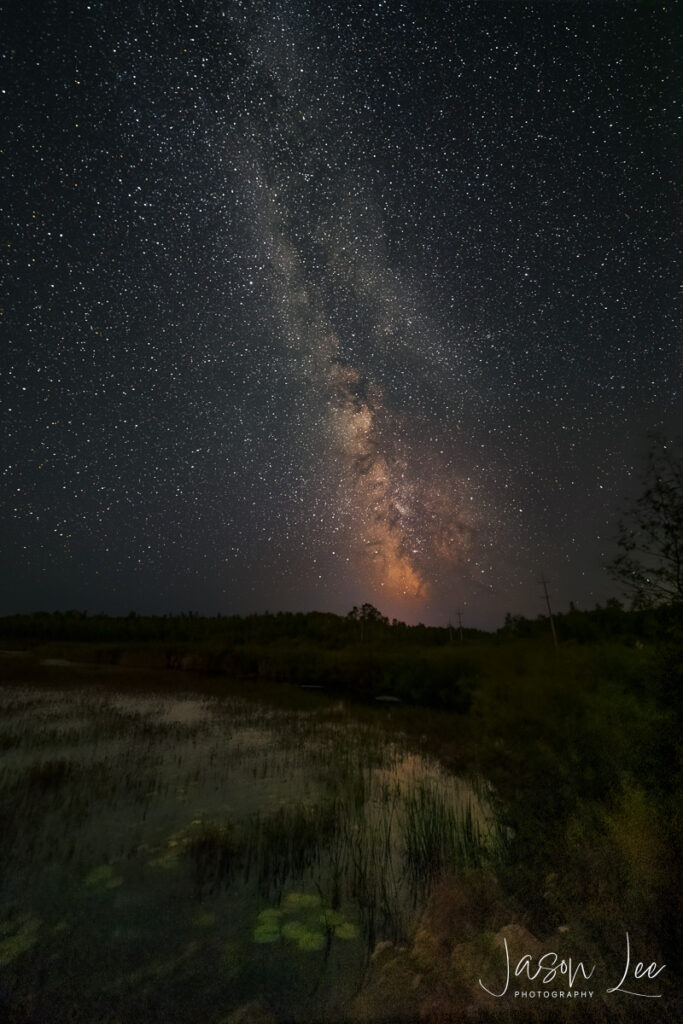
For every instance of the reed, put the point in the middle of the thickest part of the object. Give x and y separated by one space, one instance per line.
215 853
441 836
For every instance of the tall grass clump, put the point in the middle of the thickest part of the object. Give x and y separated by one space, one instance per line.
440 835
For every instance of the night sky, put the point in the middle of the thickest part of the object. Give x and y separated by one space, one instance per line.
312 304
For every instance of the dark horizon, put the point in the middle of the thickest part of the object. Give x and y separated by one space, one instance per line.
615 616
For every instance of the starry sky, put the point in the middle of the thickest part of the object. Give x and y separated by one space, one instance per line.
307 304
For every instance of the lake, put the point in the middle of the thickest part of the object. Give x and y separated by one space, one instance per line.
215 857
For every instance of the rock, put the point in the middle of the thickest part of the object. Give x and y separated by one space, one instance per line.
519 941
425 949
484 958
380 949
390 988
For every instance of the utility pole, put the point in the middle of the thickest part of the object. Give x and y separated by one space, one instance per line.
544 584
450 632
460 623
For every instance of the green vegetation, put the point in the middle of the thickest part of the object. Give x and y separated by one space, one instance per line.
579 748
219 841
362 654
103 877
17 936
303 920
441 836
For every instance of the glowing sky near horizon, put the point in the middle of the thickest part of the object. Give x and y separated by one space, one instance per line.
312 304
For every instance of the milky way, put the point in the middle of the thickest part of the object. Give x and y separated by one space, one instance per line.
307 305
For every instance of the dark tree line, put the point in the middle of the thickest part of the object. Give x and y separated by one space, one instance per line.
365 625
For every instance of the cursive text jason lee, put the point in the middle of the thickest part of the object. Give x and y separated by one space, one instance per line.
549 969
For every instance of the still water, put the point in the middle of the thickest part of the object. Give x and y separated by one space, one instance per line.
212 859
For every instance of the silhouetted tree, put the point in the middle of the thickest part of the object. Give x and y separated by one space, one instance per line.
650 563
366 616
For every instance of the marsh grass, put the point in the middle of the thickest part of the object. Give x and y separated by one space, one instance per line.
136 817
290 841
215 854
441 836
294 792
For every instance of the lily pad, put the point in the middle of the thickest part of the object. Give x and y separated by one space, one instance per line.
264 933
23 938
269 914
168 860
295 930
304 920
311 941
103 877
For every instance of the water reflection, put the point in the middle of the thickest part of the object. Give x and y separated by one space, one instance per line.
162 846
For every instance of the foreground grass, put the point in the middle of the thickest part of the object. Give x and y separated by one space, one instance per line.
581 747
